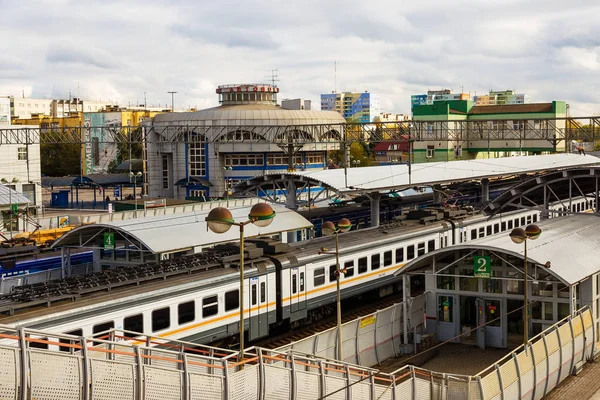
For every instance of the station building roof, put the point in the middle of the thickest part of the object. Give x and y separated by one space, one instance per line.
396 177
571 245
170 233
9 196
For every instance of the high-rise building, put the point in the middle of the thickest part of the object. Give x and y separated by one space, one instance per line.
354 107
436 95
296 104
497 98
4 110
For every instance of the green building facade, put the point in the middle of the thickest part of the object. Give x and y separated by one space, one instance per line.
469 126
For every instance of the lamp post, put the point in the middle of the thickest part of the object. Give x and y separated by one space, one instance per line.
520 235
8 183
220 220
228 182
134 177
328 229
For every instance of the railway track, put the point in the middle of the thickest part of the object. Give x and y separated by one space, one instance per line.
353 310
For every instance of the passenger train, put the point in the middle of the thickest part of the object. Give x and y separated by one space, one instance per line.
286 286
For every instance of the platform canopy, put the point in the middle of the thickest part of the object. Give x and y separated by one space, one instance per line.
399 177
568 248
171 233
10 196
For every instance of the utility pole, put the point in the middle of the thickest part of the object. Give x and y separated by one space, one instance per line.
172 101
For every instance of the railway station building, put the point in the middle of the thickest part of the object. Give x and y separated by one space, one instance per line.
482 282
213 152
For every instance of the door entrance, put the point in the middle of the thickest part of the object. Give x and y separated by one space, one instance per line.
482 322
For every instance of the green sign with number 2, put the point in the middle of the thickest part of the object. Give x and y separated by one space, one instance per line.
482 266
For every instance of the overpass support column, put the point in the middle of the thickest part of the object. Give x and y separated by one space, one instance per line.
374 209
485 190
291 202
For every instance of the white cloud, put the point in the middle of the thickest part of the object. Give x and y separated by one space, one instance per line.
119 50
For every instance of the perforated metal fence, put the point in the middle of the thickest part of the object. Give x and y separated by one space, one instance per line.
112 367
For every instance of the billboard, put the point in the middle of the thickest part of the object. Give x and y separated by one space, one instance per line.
99 149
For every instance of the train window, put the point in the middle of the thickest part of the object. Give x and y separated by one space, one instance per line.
473 234
534 218
210 306
420 249
319 277
332 276
509 224
503 226
528 219
517 223
262 286
400 254
187 312
522 221
37 345
349 267
375 261
103 327
294 285
253 291
431 245
488 230
232 300
135 323
410 252
77 332
387 258
481 232
161 319
362 265
496 228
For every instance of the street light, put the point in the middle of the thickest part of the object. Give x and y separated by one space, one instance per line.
220 220
135 177
328 228
7 183
356 163
520 235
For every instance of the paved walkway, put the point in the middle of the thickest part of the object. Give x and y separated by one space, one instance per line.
584 386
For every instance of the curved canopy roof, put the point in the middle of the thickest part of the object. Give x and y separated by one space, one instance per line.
571 245
87 180
169 233
396 177
10 196
251 114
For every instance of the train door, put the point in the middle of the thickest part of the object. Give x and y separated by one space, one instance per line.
298 293
259 322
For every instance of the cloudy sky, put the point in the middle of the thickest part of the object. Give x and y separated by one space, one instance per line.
118 50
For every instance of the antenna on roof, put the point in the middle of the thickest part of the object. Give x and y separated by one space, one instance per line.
274 77
335 77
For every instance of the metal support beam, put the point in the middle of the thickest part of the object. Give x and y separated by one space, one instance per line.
485 190
375 198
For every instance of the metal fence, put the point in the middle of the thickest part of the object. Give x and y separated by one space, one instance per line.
368 340
114 367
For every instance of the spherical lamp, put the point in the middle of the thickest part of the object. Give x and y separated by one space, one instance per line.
344 225
219 220
518 235
261 215
533 231
328 228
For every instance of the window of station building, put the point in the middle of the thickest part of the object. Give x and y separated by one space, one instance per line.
430 245
77 332
22 153
165 171
232 300
375 261
399 254
187 312
103 327
410 252
420 249
332 276
161 319
430 151
244 159
319 278
349 266
315 158
282 159
197 159
362 265
468 284
210 306
446 282
387 258
134 323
